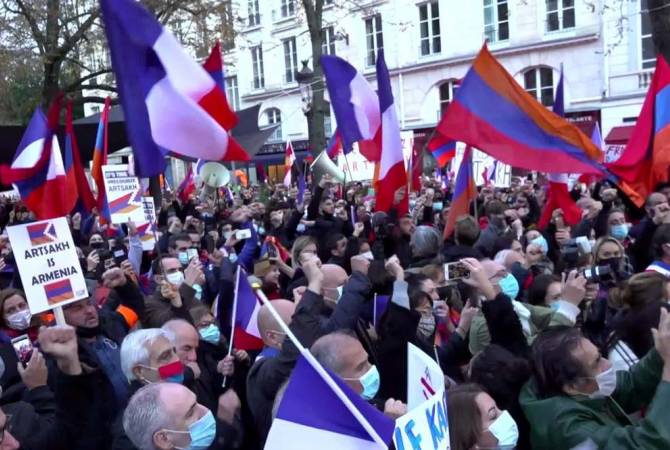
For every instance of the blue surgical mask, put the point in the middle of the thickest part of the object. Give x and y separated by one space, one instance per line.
300 228
370 382
437 206
210 334
619 232
412 204
509 286
202 432
542 243
261 230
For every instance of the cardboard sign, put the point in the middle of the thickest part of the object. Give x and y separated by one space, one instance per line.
124 194
48 264
424 377
425 427
146 229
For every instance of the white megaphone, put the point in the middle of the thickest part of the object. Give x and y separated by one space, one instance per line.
213 175
324 165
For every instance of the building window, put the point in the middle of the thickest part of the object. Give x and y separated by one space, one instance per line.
539 82
232 92
254 13
496 20
373 38
327 122
648 51
290 60
257 65
328 46
429 25
447 92
273 116
287 8
560 14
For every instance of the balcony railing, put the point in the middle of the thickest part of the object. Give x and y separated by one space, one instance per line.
630 83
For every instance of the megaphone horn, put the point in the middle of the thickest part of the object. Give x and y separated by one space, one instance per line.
214 174
324 165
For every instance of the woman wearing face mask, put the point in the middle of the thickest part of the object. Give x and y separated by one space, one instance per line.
15 317
409 318
476 423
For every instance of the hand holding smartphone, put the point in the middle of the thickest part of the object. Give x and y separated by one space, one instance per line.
456 271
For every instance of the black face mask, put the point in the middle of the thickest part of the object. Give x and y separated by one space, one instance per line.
88 333
614 263
97 245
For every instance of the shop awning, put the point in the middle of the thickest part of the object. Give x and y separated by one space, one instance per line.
619 135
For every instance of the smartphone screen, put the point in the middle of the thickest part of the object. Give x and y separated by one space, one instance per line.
23 348
192 253
455 271
243 234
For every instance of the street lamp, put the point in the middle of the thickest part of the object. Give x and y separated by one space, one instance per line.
304 78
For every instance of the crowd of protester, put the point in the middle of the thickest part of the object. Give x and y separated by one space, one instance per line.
556 338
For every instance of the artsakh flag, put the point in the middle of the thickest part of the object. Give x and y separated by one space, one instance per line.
58 291
493 113
170 102
465 191
37 169
77 182
42 233
187 185
646 159
392 174
125 204
146 231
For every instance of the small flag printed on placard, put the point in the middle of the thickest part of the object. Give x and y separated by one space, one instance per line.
122 204
42 233
59 291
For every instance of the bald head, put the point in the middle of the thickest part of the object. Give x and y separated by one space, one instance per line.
270 329
342 353
333 275
184 337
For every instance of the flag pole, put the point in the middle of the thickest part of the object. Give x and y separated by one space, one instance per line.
233 318
323 373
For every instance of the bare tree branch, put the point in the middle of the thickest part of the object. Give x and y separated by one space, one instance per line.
85 78
32 23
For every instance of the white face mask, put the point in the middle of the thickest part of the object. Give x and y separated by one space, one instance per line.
606 384
19 320
176 278
504 429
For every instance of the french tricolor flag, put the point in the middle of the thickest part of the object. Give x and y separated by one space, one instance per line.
245 315
392 174
289 160
311 415
356 107
170 102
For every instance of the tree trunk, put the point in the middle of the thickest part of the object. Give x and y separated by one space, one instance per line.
659 15
316 114
52 64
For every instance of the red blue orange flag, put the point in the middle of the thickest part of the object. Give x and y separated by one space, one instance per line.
493 113
85 202
465 191
443 149
334 146
646 158
99 160
187 185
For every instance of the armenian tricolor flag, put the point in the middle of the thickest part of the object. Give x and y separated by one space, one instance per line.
646 158
99 160
41 233
443 149
59 291
464 192
493 113
77 184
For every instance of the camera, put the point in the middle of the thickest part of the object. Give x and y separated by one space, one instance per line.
573 250
600 274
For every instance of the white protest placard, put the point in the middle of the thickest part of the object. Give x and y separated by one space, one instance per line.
48 264
124 194
424 377
145 230
355 166
425 427
497 173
